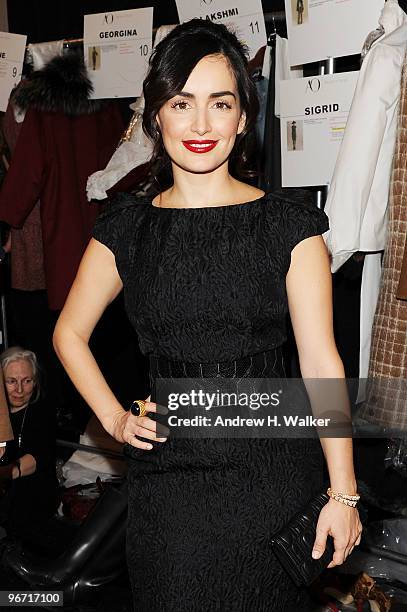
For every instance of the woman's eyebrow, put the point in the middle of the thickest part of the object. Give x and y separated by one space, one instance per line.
216 94
219 94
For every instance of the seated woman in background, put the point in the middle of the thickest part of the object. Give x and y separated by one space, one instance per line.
28 481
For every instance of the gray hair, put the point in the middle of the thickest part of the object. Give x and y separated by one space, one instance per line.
16 353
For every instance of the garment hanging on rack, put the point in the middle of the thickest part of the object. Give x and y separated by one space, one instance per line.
283 70
386 400
261 82
360 184
271 149
358 196
276 67
42 53
27 258
134 150
64 138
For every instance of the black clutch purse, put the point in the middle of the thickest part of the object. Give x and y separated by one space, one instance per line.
293 544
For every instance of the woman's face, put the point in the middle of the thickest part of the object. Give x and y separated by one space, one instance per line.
19 380
199 125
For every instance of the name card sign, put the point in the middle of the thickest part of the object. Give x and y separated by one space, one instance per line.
117 47
12 50
244 17
318 29
314 112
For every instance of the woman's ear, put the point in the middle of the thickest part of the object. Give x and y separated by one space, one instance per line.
242 123
157 118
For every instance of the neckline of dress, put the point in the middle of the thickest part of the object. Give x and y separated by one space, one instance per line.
20 409
218 207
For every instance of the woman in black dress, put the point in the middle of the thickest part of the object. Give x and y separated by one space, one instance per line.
209 269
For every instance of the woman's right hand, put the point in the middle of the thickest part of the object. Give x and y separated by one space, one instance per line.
125 427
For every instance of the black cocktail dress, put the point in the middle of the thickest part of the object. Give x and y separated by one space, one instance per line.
207 285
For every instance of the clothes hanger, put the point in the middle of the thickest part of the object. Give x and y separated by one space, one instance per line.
376 34
275 24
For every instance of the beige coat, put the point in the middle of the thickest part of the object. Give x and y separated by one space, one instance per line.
386 398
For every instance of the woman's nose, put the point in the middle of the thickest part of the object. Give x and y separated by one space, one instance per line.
201 123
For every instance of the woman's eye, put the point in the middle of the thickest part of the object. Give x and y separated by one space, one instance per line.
222 105
180 105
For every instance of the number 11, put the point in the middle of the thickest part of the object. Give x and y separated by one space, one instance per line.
254 27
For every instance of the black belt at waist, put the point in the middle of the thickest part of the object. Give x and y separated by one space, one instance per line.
264 364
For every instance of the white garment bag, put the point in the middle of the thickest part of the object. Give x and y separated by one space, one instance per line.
358 196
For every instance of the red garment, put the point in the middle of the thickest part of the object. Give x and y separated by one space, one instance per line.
27 259
54 155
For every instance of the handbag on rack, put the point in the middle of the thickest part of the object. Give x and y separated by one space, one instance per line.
293 544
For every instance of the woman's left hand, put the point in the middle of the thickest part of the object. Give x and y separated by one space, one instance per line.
342 522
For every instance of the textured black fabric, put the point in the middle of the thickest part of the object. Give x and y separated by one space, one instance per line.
208 285
202 513
161 367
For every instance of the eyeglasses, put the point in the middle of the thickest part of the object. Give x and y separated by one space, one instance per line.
14 382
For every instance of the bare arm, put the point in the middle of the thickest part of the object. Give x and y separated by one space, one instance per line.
96 285
309 291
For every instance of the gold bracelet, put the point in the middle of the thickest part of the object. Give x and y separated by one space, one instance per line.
345 495
344 498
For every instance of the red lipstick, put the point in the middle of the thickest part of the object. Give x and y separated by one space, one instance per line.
200 146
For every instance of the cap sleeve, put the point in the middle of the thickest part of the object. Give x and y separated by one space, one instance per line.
116 223
301 219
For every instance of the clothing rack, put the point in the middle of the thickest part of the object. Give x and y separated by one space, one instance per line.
270 17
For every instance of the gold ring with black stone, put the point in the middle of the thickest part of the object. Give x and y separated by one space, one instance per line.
138 408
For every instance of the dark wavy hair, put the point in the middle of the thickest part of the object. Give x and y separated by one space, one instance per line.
170 65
